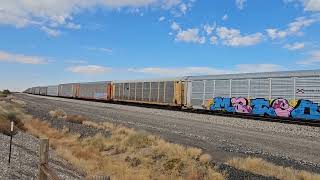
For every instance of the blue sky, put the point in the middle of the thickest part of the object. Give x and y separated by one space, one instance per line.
56 41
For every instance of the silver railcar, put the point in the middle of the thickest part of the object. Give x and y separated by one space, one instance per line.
285 94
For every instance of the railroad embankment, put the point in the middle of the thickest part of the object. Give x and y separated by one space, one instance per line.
103 148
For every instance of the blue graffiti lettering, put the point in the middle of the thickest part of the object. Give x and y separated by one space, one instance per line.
261 106
222 104
306 110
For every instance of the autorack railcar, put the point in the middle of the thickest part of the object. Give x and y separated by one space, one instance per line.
70 90
161 92
43 91
53 90
95 90
291 94
37 90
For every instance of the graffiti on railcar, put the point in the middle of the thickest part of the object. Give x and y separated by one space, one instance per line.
301 109
221 103
281 107
241 105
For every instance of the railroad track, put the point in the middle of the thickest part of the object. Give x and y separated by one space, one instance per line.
217 113
264 118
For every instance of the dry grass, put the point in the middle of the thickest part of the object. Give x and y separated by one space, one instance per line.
58 113
9 112
61 114
127 154
18 102
259 166
79 119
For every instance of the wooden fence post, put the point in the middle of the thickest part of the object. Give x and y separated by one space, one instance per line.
44 156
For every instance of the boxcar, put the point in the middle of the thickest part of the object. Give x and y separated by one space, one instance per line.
95 90
43 91
291 94
70 90
161 92
53 90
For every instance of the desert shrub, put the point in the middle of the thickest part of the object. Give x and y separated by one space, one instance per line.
58 113
79 119
5 127
5 124
138 140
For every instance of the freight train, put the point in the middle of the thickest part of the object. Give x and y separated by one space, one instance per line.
287 94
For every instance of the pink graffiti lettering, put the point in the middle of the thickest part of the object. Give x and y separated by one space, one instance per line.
282 107
241 105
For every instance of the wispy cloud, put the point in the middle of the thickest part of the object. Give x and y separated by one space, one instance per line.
294 28
295 46
55 14
225 17
313 59
185 71
105 50
51 32
309 5
240 4
89 69
20 58
162 18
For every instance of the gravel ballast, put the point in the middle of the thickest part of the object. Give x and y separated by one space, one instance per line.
24 160
223 137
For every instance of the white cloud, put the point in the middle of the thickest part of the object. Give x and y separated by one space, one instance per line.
240 3
162 18
293 28
51 32
89 69
294 46
213 40
175 26
233 37
225 17
60 13
190 35
183 8
20 58
312 5
249 68
313 59
309 5
209 28
71 25
167 4
187 71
